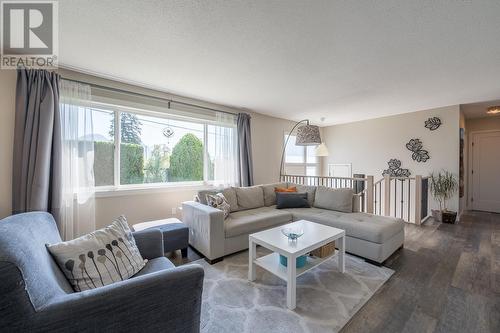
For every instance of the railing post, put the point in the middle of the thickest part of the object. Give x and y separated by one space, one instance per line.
369 194
418 199
387 195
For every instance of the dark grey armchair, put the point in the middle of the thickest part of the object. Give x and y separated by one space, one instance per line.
35 296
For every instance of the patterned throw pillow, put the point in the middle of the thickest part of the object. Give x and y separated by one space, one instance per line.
219 201
100 258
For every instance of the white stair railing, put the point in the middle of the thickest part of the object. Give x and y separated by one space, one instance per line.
401 197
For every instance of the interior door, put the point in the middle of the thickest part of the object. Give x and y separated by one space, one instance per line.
486 171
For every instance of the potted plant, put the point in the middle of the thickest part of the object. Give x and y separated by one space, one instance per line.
443 185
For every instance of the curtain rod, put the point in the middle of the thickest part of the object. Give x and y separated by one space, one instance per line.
145 95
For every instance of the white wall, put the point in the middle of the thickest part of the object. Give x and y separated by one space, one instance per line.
370 144
267 142
483 124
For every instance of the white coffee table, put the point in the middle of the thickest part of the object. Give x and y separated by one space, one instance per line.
315 236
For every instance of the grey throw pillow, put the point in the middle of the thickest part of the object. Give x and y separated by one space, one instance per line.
310 190
230 194
100 258
339 199
250 197
219 201
291 200
270 194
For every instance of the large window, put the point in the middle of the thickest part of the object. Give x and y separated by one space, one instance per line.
137 148
300 160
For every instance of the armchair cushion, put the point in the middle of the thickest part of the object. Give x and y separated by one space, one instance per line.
155 265
102 257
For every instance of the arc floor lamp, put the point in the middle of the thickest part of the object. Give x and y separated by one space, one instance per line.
307 135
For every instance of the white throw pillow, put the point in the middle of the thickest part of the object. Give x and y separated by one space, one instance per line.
219 201
100 258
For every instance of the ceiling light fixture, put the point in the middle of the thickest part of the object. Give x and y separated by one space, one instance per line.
493 109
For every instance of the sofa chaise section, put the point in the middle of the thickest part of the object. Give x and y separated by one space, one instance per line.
369 236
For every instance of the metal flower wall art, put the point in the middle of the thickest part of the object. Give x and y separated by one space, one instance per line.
395 169
419 154
433 123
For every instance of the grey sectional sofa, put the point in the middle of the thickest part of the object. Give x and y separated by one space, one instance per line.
254 208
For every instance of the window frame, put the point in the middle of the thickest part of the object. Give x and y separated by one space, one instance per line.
117 187
304 164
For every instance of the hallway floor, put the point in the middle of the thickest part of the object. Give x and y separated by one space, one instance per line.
447 280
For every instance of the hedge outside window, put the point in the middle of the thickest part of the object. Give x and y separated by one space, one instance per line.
152 149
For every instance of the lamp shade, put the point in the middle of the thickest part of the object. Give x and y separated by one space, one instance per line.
308 135
321 150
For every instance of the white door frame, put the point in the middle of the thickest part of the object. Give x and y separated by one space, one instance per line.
332 165
470 153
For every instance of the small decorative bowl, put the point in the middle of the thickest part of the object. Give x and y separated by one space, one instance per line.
292 232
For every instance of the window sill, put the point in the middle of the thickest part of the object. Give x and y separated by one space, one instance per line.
126 190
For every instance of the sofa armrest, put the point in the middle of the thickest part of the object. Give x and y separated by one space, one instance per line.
149 242
206 228
167 300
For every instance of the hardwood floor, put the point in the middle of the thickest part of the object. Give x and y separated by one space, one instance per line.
447 279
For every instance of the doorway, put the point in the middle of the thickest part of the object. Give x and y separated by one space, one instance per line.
485 171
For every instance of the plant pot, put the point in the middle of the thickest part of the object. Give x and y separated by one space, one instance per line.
437 215
449 217
444 216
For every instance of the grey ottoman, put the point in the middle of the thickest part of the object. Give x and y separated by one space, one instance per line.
175 233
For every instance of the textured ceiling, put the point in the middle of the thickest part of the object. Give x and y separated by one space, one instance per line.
342 60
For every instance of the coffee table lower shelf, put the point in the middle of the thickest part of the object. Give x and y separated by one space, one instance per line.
271 263
315 235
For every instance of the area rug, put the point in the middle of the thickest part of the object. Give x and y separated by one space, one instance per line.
326 298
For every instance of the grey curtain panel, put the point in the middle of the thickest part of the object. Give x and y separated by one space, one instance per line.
37 143
245 163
